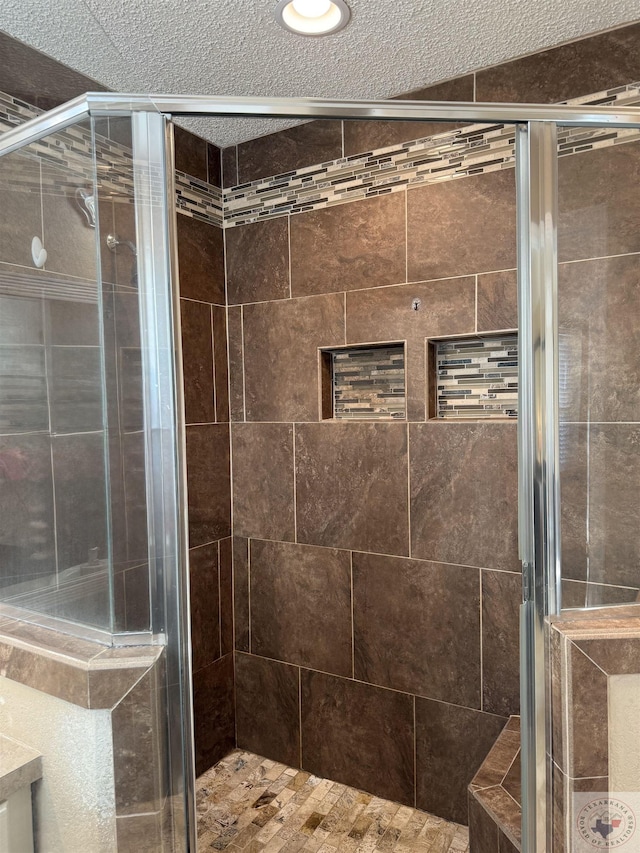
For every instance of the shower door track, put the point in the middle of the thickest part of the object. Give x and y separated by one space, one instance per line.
538 475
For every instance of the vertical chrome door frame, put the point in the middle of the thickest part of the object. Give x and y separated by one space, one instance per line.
165 465
538 463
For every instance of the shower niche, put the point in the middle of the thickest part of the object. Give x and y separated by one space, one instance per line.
365 382
473 378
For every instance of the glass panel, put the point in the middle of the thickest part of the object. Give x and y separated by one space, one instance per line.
54 527
599 365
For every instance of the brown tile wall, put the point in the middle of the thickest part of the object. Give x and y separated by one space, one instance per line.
400 539
369 554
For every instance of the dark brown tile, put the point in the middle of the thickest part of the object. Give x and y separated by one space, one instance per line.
304 145
386 313
241 592
498 761
236 364
483 830
20 218
70 243
68 323
136 587
208 483
197 361
203 595
267 708
351 486
588 751
301 605
580 594
214 165
363 136
505 845
568 71
359 735
504 809
497 301
258 261
281 341
75 389
512 781
440 656
464 494
230 167
349 246
616 656
451 744
614 533
31 76
139 833
225 547
597 319
200 260
574 440
190 153
558 697
80 489
221 361
462 227
501 599
213 711
137 737
263 484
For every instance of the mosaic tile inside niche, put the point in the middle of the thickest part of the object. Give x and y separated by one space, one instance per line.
477 377
369 383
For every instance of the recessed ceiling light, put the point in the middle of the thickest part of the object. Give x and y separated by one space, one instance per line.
312 17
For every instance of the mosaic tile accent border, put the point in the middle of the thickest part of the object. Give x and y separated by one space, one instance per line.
369 383
470 150
477 377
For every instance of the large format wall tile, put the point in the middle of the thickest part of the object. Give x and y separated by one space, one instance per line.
20 220
386 313
589 65
190 153
574 449
359 735
301 605
200 260
263 488
497 301
417 627
588 749
203 591
598 208
70 243
501 599
294 148
464 494
462 227
363 136
349 246
213 711
221 363
614 475
236 363
351 486
197 361
599 327
451 744
258 261
241 593
281 341
267 708
208 483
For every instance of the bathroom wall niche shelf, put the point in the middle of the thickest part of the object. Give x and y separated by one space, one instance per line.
364 382
473 377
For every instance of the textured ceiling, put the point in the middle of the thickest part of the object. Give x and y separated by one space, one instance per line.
221 47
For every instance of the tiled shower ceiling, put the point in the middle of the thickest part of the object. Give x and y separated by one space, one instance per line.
220 47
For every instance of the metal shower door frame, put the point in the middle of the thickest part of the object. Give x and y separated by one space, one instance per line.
538 472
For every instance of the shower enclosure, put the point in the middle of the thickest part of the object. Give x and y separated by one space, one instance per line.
93 463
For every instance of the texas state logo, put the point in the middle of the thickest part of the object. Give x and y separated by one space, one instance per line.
605 823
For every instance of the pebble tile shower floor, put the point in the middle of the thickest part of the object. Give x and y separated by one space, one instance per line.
249 803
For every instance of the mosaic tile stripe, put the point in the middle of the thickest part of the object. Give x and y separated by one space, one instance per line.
470 150
477 377
369 384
